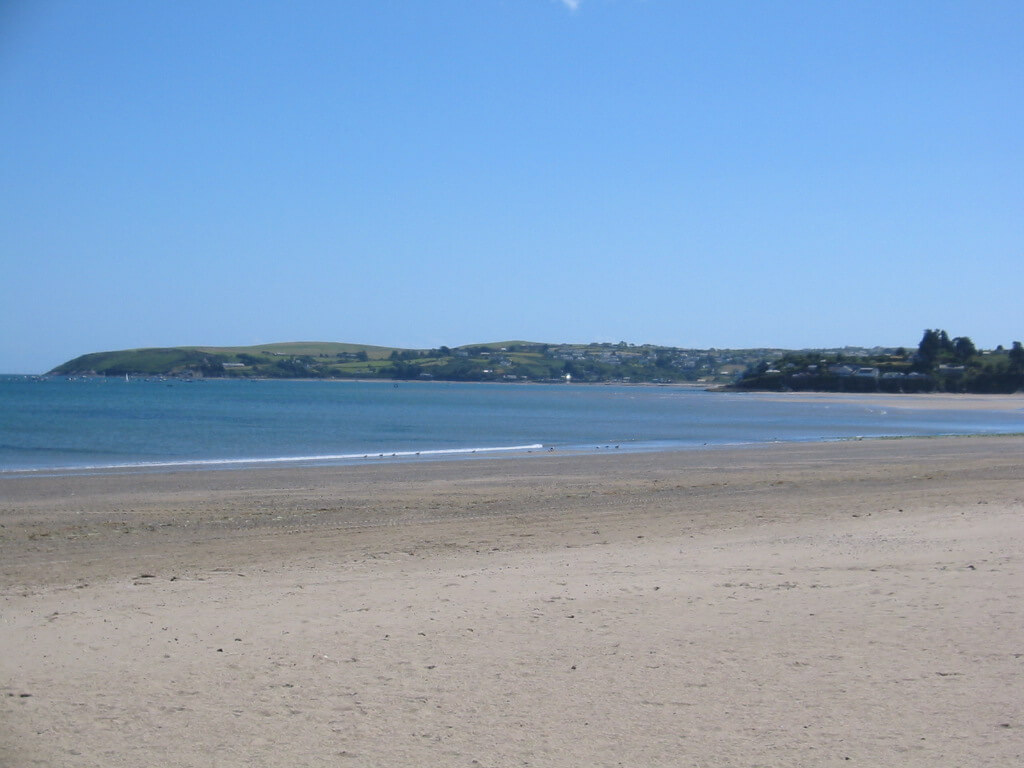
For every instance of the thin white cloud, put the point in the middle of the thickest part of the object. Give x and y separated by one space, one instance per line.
572 5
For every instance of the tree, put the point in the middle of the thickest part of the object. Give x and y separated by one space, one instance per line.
929 347
402 370
1017 358
964 348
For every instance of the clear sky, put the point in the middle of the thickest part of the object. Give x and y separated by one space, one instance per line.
415 173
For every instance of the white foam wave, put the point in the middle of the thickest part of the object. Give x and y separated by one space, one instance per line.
320 458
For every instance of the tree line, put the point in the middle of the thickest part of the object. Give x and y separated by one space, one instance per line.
940 363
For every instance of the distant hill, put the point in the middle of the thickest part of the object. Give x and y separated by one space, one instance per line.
216 361
314 348
490 361
940 363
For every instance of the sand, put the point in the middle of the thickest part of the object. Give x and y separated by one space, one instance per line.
854 603
931 401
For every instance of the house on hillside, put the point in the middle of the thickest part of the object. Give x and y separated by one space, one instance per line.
842 370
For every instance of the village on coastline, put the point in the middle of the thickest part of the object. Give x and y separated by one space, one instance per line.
939 364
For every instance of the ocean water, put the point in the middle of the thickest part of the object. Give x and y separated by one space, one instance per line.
109 424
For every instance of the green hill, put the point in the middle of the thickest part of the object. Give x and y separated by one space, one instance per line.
940 363
139 361
262 359
490 361
300 348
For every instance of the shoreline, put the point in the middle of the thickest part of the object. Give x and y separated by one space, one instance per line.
772 604
915 401
1011 405
69 513
723 388
442 456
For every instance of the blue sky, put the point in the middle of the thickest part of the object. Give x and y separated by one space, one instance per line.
414 173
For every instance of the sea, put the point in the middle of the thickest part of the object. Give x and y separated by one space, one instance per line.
59 425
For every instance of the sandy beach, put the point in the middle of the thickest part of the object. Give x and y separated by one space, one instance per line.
853 603
932 401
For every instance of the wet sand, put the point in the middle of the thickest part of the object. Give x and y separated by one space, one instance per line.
776 605
932 401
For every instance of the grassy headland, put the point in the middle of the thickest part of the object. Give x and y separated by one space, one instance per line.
492 361
939 364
